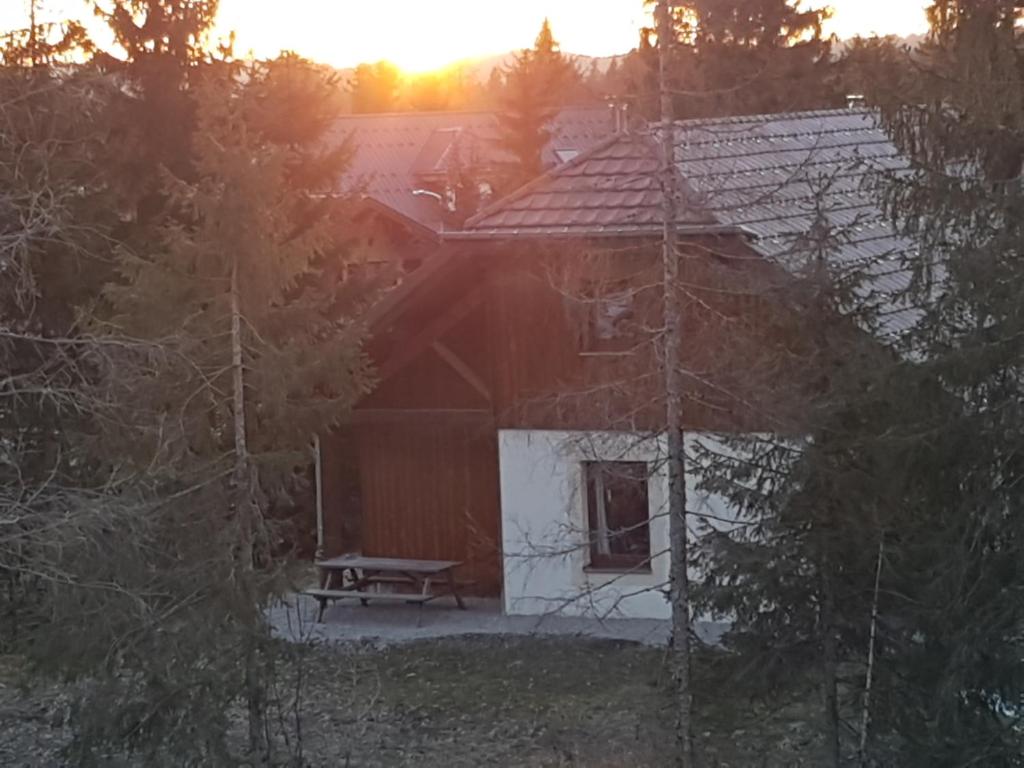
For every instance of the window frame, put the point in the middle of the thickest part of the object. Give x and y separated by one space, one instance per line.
609 562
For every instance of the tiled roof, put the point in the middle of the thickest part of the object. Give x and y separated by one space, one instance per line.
767 175
775 175
398 152
612 189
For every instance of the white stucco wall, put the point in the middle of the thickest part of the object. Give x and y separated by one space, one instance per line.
544 525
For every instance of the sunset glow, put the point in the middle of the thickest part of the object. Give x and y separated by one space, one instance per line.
419 36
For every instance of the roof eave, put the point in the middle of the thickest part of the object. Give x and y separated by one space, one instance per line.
682 230
408 222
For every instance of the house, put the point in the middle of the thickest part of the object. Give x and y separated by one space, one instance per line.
516 424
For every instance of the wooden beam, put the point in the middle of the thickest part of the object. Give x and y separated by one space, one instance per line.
460 367
392 303
434 330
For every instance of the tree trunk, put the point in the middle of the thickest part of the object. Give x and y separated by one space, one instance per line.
865 718
830 662
33 39
243 491
679 588
241 473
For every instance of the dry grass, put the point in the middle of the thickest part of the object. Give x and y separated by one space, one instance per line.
499 701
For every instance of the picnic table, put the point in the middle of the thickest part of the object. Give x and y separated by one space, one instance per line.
361 578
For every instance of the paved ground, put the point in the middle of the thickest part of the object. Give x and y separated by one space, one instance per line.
399 623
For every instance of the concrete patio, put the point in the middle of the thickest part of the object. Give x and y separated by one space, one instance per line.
389 624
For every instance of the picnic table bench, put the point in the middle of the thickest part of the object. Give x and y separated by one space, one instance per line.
366 575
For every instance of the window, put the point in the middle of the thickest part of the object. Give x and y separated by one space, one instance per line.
609 321
617 516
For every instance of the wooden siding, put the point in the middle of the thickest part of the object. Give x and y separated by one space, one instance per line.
428 382
430 490
542 378
340 487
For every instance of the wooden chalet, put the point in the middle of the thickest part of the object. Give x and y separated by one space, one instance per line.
515 424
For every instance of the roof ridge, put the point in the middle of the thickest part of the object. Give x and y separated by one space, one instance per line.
769 116
757 139
457 112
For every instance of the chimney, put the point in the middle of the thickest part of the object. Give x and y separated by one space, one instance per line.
855 101
619 109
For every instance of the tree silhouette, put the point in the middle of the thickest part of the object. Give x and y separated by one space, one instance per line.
539 81
375 88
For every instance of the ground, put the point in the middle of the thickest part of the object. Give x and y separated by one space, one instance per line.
485 700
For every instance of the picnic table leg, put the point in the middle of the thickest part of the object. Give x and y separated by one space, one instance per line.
320 613
326 582
359 583
454 589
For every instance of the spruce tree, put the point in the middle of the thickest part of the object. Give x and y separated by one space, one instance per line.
42 43
232 286
164 48
881 539
737 57
793 577
539 81
374 88
56 214
960 688
224 349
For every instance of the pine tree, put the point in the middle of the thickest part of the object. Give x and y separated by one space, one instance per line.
887 526
959 674
164 47
55 219
232 288
43 43
794 577
637 76
739 58
235 353
539 81
878 69
432 92
375 88
493 88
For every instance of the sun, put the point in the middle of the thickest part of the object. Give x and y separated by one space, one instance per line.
408 51
419 36
416 37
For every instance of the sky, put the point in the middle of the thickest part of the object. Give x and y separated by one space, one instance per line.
420 35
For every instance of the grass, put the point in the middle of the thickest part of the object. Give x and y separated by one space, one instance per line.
547 702
497 701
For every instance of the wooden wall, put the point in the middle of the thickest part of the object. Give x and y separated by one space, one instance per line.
426 442
430 490
541 378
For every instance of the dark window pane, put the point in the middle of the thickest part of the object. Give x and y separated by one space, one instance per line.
617 514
